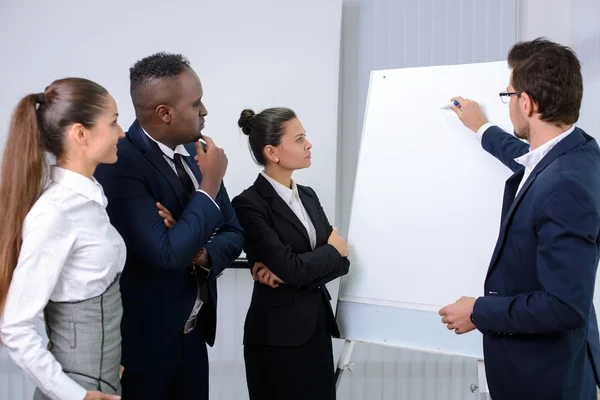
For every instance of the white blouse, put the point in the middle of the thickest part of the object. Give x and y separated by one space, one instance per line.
70 252
292 199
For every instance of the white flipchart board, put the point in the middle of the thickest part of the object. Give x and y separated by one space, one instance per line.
426 208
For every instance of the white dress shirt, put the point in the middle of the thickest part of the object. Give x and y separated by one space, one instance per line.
292 199
70 252
169 154
531 159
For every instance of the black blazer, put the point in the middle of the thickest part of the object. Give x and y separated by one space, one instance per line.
287 315
158 290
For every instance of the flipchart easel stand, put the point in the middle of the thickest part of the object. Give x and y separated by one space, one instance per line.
480 388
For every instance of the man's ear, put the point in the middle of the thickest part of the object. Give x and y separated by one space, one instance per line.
528 105
164 113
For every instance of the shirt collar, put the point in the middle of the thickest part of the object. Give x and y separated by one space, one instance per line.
531 159
167 151
78 183
283 191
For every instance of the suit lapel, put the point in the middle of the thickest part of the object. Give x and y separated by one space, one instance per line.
156 158
313 213
279 206
510 190
573 140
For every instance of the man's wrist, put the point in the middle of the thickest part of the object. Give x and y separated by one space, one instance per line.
471 316
479 132
197 259
211 189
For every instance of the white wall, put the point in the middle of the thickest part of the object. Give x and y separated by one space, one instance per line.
586 42
550 18
573 23
254 54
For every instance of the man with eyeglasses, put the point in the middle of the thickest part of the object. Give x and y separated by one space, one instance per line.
540 333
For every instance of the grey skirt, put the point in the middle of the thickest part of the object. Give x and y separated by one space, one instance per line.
85 338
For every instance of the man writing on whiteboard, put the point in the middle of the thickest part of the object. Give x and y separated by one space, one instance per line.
540 334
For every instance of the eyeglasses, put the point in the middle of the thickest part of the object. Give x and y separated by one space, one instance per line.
505 96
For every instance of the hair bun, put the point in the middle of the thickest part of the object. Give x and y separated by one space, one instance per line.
245 119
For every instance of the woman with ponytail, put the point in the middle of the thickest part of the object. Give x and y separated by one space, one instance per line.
59 254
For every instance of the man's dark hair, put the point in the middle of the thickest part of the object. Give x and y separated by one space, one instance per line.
551 75
151 70
156 66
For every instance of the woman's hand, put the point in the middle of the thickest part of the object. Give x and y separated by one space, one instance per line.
339 243
94 395
262 274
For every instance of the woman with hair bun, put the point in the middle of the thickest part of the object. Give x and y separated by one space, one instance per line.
294 252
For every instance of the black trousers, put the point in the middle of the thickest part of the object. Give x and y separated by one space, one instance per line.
186 381
293 373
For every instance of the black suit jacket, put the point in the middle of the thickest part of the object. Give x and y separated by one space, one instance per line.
157 287
287 315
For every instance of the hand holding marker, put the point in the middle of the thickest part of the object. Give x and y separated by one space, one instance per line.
448 106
